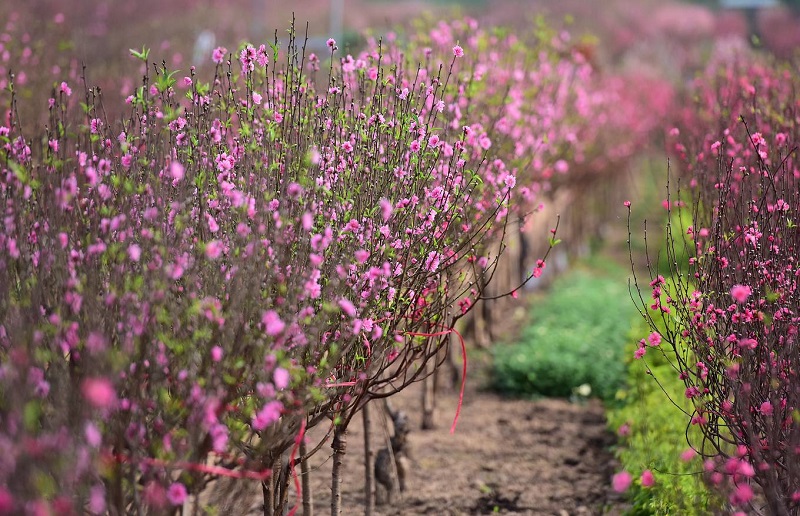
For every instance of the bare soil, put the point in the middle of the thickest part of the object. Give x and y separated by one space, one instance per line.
544 457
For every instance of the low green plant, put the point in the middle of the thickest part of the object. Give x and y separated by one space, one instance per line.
576 338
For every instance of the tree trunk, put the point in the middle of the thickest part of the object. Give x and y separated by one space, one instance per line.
369 482
282 487
268 488
429 388
308 499
772 492
266 491
339 446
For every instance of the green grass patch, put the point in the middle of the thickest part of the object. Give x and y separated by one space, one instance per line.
576 337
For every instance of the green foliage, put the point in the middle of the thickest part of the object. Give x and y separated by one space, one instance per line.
577 337
657 433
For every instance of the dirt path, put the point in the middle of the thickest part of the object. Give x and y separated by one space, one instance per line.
546 457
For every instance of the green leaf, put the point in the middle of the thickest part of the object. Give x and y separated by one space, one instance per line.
143 55
771 295
275 48
166 80
31 415
19 172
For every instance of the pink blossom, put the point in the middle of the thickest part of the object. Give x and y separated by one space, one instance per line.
307 221
225 162
95 342
176 171
212 223
347 307
97 499
647 479
331 43
639 353
740 293
270 413
98 392
294 190
257 98
766 408
746 469
458 51
176 493
247 58
216 353
281 378
432 261
126 161
361 255
742 494
621 481
219 437
273 325
219 55
386 208
627 204
262 58
748 343
688 455
66 89
134 252
154 494
93 436
654 339
214 249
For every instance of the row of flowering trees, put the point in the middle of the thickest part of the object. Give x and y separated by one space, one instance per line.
730 308
187 289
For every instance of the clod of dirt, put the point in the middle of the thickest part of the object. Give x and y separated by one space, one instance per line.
494 502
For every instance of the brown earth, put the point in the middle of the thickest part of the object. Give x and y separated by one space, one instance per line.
545 457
